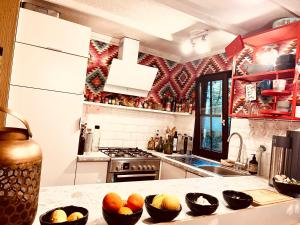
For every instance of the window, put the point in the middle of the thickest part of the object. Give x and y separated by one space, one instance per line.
212 124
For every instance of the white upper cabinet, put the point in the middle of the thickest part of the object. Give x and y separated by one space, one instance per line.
50 32
50 70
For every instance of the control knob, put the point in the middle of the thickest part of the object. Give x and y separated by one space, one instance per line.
140 167
149 167
153 167
145 167
133 167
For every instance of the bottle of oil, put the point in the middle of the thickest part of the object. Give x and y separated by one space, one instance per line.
253 165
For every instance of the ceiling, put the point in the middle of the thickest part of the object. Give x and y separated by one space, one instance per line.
163 25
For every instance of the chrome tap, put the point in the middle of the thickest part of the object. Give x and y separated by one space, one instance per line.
238 163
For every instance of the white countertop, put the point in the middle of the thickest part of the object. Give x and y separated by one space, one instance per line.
90 197
93 157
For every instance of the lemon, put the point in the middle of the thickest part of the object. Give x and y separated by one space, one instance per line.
171 202
74 216
58 216
157 201
125 211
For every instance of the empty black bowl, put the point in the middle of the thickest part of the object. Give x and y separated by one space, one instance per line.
112 218
199 210
237 200
45 218
160 215
292 190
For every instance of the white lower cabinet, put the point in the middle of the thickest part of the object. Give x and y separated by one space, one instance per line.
169 171
91 172
191 175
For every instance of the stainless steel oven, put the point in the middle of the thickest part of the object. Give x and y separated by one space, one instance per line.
135 165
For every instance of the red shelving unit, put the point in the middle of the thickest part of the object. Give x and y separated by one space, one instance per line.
280 74
275 93
256 42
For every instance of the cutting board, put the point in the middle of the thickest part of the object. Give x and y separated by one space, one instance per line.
265 197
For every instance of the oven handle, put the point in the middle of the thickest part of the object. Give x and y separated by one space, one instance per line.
136 175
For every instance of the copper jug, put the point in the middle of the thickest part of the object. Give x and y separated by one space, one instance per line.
20 171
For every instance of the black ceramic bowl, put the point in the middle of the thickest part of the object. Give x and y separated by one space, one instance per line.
159 215
45 218
237 200
199 210
292 190
112 218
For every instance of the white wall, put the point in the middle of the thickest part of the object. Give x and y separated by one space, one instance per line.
126 128
256 133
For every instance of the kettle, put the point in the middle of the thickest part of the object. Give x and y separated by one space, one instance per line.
20 171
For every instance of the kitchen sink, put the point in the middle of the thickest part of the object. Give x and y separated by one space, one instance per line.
194 161
225 172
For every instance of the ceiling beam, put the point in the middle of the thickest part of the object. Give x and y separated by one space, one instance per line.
196 12
292 6
98 12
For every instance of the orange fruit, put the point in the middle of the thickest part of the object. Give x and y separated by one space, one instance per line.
135 202
125 211
112 202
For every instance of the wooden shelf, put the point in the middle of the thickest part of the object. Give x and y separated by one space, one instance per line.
96 104
280 74
286 32
266 116
275 93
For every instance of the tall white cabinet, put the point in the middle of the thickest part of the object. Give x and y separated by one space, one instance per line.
47 84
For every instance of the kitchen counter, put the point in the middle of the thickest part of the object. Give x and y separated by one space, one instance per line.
190 168
93 157
90 196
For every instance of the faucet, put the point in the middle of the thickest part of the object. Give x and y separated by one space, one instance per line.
238 163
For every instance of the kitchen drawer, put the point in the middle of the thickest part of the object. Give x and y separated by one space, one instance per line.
91 172
169 171
50 32
47 69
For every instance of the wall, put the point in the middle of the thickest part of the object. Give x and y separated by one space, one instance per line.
131 128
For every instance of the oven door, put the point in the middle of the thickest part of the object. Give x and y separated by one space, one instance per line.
132 176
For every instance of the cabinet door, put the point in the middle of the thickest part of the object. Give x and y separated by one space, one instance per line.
54 121
91 172
191 175
47 69
50 32
169 171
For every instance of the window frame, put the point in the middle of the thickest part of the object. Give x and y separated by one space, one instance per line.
224 76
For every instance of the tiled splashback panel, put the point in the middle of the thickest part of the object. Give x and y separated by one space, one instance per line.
173 79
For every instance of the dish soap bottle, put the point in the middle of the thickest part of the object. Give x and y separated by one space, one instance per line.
253 165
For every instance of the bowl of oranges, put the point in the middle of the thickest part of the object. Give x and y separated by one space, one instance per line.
126 212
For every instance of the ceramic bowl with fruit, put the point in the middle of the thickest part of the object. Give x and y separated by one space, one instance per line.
116 211
68 215
201 204
162 207
287 186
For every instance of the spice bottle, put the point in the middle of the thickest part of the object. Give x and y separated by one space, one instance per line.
253 165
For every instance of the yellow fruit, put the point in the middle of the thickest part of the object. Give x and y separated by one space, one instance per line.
125 211
75 216
58 216
157 201
171 202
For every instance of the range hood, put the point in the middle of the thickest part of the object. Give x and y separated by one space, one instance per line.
126 76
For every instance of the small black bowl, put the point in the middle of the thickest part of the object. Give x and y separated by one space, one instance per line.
199 210
237 200
45 218
159 215
112 218
292 190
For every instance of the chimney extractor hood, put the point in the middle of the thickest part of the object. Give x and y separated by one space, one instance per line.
126 76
